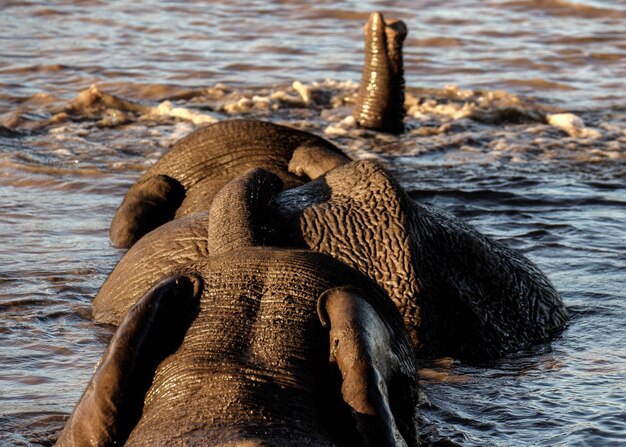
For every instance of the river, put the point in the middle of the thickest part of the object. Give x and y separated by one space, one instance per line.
516 123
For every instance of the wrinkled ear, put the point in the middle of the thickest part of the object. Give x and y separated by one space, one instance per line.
312 159
238 214
361 346
151 330
147 205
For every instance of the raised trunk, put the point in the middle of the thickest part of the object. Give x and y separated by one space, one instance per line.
380 103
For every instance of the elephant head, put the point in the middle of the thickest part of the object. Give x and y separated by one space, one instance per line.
253 346
187 177
380 101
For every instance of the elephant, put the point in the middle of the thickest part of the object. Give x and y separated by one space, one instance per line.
460 293
187 177
253 345
380 101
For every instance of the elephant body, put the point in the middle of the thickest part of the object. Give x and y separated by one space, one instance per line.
255 360
234 350
187 177
460 293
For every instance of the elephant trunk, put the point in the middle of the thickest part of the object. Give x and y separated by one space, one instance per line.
238 212
380 103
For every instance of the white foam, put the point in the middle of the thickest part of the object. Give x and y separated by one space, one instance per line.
166 108
303 90
573 125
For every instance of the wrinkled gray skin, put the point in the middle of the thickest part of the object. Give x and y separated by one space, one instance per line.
179 242
460 293
187 177
253 346
380 102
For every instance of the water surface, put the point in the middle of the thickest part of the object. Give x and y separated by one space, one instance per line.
483 77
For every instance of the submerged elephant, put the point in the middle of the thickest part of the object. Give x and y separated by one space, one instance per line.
380 101
460 293
187 177
254 346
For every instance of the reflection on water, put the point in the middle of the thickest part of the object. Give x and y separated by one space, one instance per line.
501 151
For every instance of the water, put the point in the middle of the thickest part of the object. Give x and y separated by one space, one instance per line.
483 150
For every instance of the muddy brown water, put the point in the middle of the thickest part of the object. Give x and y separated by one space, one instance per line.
516 123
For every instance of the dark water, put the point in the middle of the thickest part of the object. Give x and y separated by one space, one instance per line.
497 150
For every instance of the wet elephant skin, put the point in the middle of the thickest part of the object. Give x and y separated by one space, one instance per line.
186 178
380 101
461 294
285 347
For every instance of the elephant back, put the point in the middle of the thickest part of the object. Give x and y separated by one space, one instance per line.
258 317
187 177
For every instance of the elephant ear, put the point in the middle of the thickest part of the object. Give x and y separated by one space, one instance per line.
379 381
152 329
238 214
312 159
359 215
148 204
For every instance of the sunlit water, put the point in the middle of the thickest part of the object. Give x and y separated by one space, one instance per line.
556 193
